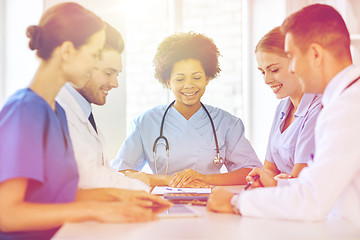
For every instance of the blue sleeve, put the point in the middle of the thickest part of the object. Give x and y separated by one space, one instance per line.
21 141
305 145
240 153
131 154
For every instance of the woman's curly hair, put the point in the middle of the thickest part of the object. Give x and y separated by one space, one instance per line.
180 46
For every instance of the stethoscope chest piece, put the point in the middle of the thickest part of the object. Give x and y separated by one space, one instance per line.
218 160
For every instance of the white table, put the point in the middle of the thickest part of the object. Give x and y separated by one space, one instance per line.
212 226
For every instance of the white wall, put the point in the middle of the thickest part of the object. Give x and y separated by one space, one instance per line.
2 52
263 15
18 63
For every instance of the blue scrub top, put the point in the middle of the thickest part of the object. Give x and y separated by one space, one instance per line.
191 142
297 143
35 144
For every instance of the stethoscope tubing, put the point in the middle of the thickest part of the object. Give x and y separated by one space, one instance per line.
217 159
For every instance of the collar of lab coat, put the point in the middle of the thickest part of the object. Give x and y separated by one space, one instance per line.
82 102
337 85
65 98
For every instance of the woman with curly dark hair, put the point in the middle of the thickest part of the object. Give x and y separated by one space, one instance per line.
195 140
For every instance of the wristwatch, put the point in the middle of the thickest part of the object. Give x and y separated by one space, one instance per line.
234 203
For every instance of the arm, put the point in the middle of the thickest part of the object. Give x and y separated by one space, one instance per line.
220 201
240 159
154 179
305 145
297 169
140 198
18 215
271 168
328 183
186 177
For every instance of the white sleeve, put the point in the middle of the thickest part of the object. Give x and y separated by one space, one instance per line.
106 177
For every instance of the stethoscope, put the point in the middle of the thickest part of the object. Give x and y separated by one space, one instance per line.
217 159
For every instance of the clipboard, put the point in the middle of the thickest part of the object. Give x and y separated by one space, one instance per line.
188 198
162 190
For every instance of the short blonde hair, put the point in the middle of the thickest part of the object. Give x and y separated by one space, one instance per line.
272 42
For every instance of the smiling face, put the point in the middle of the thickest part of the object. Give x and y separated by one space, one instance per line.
188 82
274 69
103 78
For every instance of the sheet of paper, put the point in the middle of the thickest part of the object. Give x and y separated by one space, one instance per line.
161 190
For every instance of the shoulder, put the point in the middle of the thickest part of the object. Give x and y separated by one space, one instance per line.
223 117
25 104
153 114
219 112
25 112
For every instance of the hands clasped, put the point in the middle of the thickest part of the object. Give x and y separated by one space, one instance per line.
189 178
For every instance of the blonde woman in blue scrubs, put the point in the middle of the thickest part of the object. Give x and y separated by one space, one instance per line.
291 142
185 63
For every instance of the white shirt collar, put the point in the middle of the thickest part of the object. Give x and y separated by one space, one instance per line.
84 104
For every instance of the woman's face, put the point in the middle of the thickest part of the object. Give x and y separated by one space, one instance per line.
188 82
83 60
275 71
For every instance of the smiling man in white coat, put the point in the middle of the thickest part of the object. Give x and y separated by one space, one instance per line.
88 142
318 45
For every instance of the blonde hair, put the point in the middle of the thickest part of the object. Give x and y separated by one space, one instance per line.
272 42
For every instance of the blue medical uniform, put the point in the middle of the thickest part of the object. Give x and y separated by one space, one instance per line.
191 142
297 143
35 144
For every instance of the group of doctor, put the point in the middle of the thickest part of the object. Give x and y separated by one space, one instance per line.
64 164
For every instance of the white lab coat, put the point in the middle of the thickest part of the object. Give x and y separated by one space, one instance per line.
330 186
89 148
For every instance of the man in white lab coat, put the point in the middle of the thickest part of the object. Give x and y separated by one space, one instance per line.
318 45
87 140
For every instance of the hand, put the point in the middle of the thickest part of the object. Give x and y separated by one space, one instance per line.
197 184
220 201
264 180
143 199
121 212
138 198
283 176
139 176
185 177
128 170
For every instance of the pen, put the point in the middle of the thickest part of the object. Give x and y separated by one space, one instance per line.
248 185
